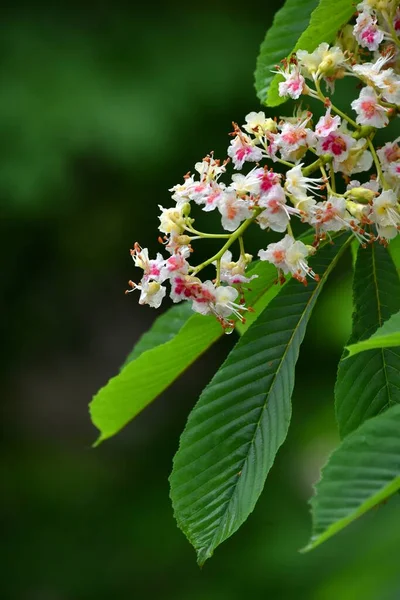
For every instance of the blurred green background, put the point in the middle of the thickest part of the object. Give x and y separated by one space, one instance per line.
102 109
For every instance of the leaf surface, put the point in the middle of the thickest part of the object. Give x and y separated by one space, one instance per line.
242 417
369 382
141 380
360 474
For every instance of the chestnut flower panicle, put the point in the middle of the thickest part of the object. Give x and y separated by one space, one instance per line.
295 168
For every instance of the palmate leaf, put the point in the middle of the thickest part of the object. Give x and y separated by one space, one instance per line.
370 381
162 354
327 18
242 417
362 472
386 336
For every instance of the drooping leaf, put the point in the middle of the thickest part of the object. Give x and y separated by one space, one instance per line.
143 379
327 18
288 25
387 336
242 417
360 474
370 381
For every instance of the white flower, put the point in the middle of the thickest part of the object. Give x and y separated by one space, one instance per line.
389 153
247 184
368 109
182 191
234 272
327 124
289 256
298 185
324 61
389 84
331 215
294 83
176 264
257 124
367 32
338 144
219 301
210 169
242 149
152 293
276 215
210 196
385 214
171 220
358 160
295 139
370 71
152 268
233 210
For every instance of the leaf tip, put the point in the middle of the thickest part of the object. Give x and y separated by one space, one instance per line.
203 555
99 440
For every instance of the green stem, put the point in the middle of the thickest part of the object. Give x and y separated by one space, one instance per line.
339 112
241 244
326 178
207 235
232 237
393 31
321 161
377 164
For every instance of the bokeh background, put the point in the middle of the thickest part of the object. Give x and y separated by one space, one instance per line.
103 107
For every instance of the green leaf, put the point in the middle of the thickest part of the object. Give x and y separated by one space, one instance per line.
288 25
326 20
144 378
394 250
369 382
162 330
242 417
386 336
363 472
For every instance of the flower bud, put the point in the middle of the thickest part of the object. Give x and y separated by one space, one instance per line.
361 194
183 240
186 209
346 40
270 125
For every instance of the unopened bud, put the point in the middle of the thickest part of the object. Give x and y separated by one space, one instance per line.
270 125
186 209
361 194
183 240
346 40
248 258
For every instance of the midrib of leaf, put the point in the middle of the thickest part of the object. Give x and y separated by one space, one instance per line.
378 304
355 402
282 361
